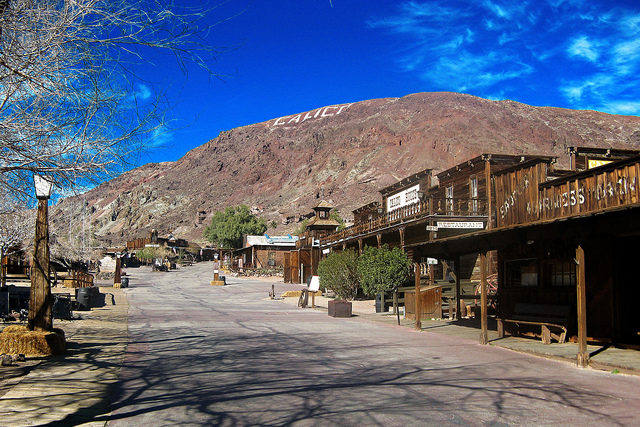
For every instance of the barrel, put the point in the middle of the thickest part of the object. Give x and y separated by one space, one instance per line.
83 296
124 282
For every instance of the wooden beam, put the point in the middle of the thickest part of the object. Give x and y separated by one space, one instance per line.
487 177
458 287
484 336
416 269
583 354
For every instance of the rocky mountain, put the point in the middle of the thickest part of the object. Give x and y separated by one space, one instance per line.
341 153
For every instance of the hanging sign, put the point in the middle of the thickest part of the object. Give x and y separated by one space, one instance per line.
461 224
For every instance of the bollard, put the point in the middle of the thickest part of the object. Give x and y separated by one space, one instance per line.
273 291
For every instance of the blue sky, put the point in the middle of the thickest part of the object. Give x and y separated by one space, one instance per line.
285 57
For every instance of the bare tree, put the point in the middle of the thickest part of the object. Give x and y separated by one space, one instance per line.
16 227
68 103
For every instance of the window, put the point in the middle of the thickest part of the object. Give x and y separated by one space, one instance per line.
271 259
394 202
323 214
473 194
561 272
449 196
522 272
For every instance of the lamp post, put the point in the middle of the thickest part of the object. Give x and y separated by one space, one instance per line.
40 315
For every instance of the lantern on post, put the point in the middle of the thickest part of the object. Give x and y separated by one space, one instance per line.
40 314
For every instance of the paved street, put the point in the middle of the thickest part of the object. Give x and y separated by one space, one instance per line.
200 354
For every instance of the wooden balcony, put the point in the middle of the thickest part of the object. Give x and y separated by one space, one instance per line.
431 209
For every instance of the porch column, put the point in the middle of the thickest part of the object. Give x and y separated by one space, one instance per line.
401 230
457 273
416 269
583 354
359 246
487 180
379 239
484 336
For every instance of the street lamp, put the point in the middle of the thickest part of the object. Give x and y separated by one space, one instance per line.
40 315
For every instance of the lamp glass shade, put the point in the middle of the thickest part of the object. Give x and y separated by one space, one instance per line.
43 185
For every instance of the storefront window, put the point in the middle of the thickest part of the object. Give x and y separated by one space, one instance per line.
562 272
522 272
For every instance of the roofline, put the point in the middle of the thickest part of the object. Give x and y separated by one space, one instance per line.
405 181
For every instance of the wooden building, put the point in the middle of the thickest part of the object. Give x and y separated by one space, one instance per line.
563 240
302 262
264 251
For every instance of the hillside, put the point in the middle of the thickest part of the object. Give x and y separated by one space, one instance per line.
341 153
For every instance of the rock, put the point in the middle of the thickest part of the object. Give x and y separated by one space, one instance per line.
347 151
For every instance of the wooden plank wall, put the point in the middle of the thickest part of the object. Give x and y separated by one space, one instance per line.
604 188
524 196
516 194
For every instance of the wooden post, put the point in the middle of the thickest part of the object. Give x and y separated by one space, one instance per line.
117 276
40 314
379 239
401 230
418 324
458 287
359 246
484 336
583 354
487 177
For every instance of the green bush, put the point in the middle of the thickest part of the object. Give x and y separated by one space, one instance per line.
338 272
382 269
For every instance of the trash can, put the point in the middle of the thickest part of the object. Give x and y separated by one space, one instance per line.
83 297
124 282
61 306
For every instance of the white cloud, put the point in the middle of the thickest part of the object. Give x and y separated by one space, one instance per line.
160 136
623 107
143 92
497 10
583 48
587 53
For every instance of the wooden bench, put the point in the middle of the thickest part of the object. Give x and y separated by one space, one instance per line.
550 318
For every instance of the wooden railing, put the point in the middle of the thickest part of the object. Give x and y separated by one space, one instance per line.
431 207
76 279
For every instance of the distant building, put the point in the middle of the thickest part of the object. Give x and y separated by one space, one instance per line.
264 251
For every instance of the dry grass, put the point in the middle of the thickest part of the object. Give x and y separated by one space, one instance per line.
17 339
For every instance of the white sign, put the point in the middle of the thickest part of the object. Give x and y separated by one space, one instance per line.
315 284
432 228
403 198
326 251
461 224
332 110
432 261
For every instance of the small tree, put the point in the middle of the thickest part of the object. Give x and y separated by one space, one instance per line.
382 269
227 227
338 272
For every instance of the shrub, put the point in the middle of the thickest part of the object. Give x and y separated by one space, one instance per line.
382 269
338 272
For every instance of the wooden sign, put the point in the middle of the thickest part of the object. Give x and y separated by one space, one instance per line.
461 224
